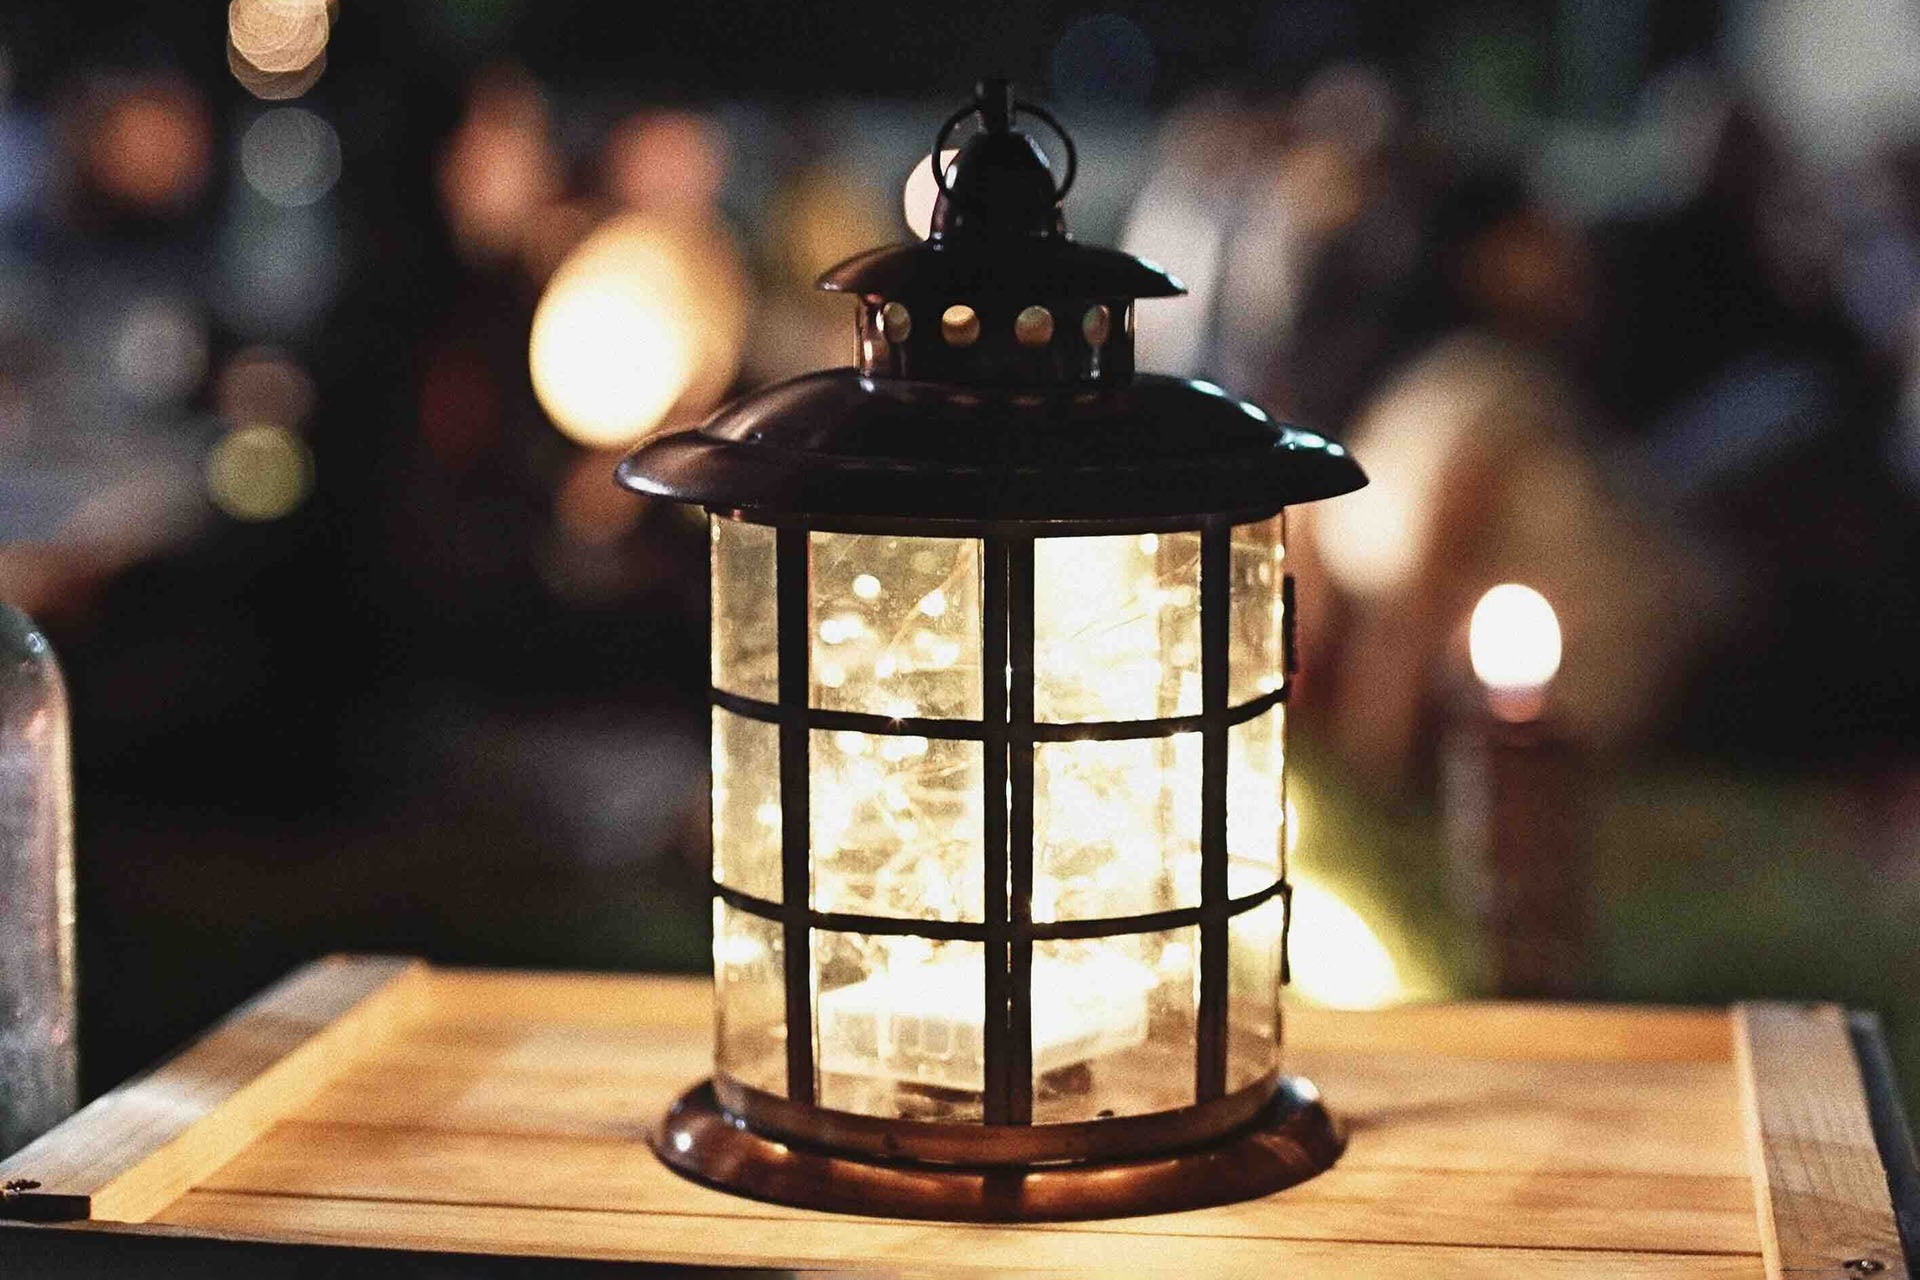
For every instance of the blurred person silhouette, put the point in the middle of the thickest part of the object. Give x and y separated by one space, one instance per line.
1763 394
1483 453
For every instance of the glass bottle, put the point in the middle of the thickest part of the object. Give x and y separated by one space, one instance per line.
38 1077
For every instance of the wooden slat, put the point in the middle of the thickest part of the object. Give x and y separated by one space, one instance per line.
1678 1118
1516 1149
137 1149
1497 1029
1483 1029
494 997
1409 1110
1819 1187
818 1239
402 1165
507 1113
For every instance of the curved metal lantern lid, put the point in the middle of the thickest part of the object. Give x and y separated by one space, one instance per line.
1053 265
839 444
995 383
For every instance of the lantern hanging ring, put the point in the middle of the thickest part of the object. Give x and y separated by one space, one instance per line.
994 103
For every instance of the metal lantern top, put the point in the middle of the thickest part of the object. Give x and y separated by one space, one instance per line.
995 382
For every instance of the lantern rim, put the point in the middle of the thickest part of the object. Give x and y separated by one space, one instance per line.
839 444
981 1145
1290 1139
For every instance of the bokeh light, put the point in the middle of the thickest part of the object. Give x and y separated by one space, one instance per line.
159 350
667 162
819 219
499 171
921 192
259 473
278 268
23 163
290 156
150 145
277 48
609 357
643 316
263 384
269 87
1513 639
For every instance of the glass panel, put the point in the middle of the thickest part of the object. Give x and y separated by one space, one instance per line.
900 1025
896 625
746 804
1116 627
1114 1025
746 642
1253 992
897 825
749 999
1116 827
1256 802
1256 656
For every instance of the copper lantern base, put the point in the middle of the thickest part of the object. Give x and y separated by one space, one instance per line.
1290 1140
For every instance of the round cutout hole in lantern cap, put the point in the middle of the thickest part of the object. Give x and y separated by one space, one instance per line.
1002 643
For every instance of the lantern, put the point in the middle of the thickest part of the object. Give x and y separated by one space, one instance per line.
1001 646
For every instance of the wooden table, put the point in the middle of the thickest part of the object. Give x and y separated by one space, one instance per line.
387 1106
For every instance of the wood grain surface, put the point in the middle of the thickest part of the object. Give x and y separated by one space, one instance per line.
507 1113
1820 1190
138 1148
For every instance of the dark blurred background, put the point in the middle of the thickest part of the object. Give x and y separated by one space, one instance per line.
322 326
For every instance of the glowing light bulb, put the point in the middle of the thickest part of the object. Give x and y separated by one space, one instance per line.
1513 640
921 191
867 587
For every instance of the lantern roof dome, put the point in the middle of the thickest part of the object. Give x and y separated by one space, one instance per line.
836 443
995 382
1040 264
997 224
